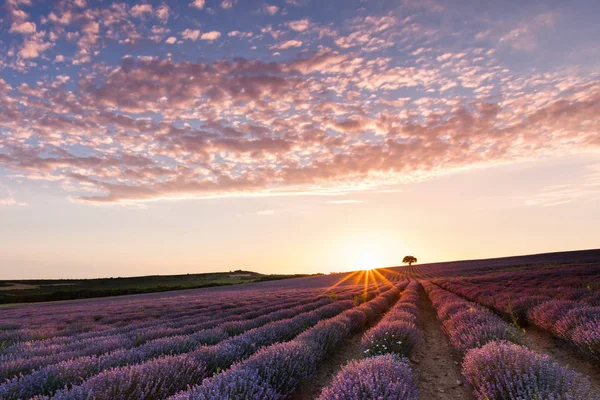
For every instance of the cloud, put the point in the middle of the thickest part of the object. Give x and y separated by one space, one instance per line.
162 13
210 36
24 28
299 25
191 34
556 195
34 45
266 212
7 199
346 202
376 100
198 4
270 9
227 4
287 45
524 36
140 9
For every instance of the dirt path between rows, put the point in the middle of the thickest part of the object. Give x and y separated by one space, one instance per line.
543 342
438 367
350 350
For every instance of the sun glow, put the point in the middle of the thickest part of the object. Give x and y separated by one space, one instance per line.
369 262
367 257
365 251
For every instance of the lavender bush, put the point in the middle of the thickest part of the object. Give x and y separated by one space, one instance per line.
545 315
505 371
391 337
587 338
473 328
154 380
384 377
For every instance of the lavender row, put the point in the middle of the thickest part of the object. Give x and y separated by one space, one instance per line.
55 376
171 318
125 353
386 374
74 342
35 356
571 321
29 323
574 283
148 330
165 375
497 368
170 315
396 332
276 371
45 321
467 324
93 321
98 345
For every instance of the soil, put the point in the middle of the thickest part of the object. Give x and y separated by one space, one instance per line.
436 363
350 350
543 342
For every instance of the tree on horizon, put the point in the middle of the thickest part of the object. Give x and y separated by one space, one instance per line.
409 260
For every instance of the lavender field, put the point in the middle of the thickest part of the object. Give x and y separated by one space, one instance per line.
504 329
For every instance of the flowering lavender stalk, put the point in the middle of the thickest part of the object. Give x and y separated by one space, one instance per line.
384 377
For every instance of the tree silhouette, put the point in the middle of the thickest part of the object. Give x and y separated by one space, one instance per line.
409 260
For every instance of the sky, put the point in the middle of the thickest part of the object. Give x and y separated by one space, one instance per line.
294 136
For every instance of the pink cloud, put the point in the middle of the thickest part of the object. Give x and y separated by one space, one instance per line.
140 9
198 4
34 45
210 36
299 25
288 44
24 28
191 34
270 9
323 118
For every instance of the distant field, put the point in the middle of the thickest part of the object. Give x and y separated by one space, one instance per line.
29 291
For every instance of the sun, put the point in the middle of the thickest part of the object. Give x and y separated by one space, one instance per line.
363 252
369 262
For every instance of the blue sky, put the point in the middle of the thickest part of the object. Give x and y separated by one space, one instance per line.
293 136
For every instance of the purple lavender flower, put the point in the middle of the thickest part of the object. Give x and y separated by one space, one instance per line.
587 338
391 337
574 318
384 377
505 371
546 314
